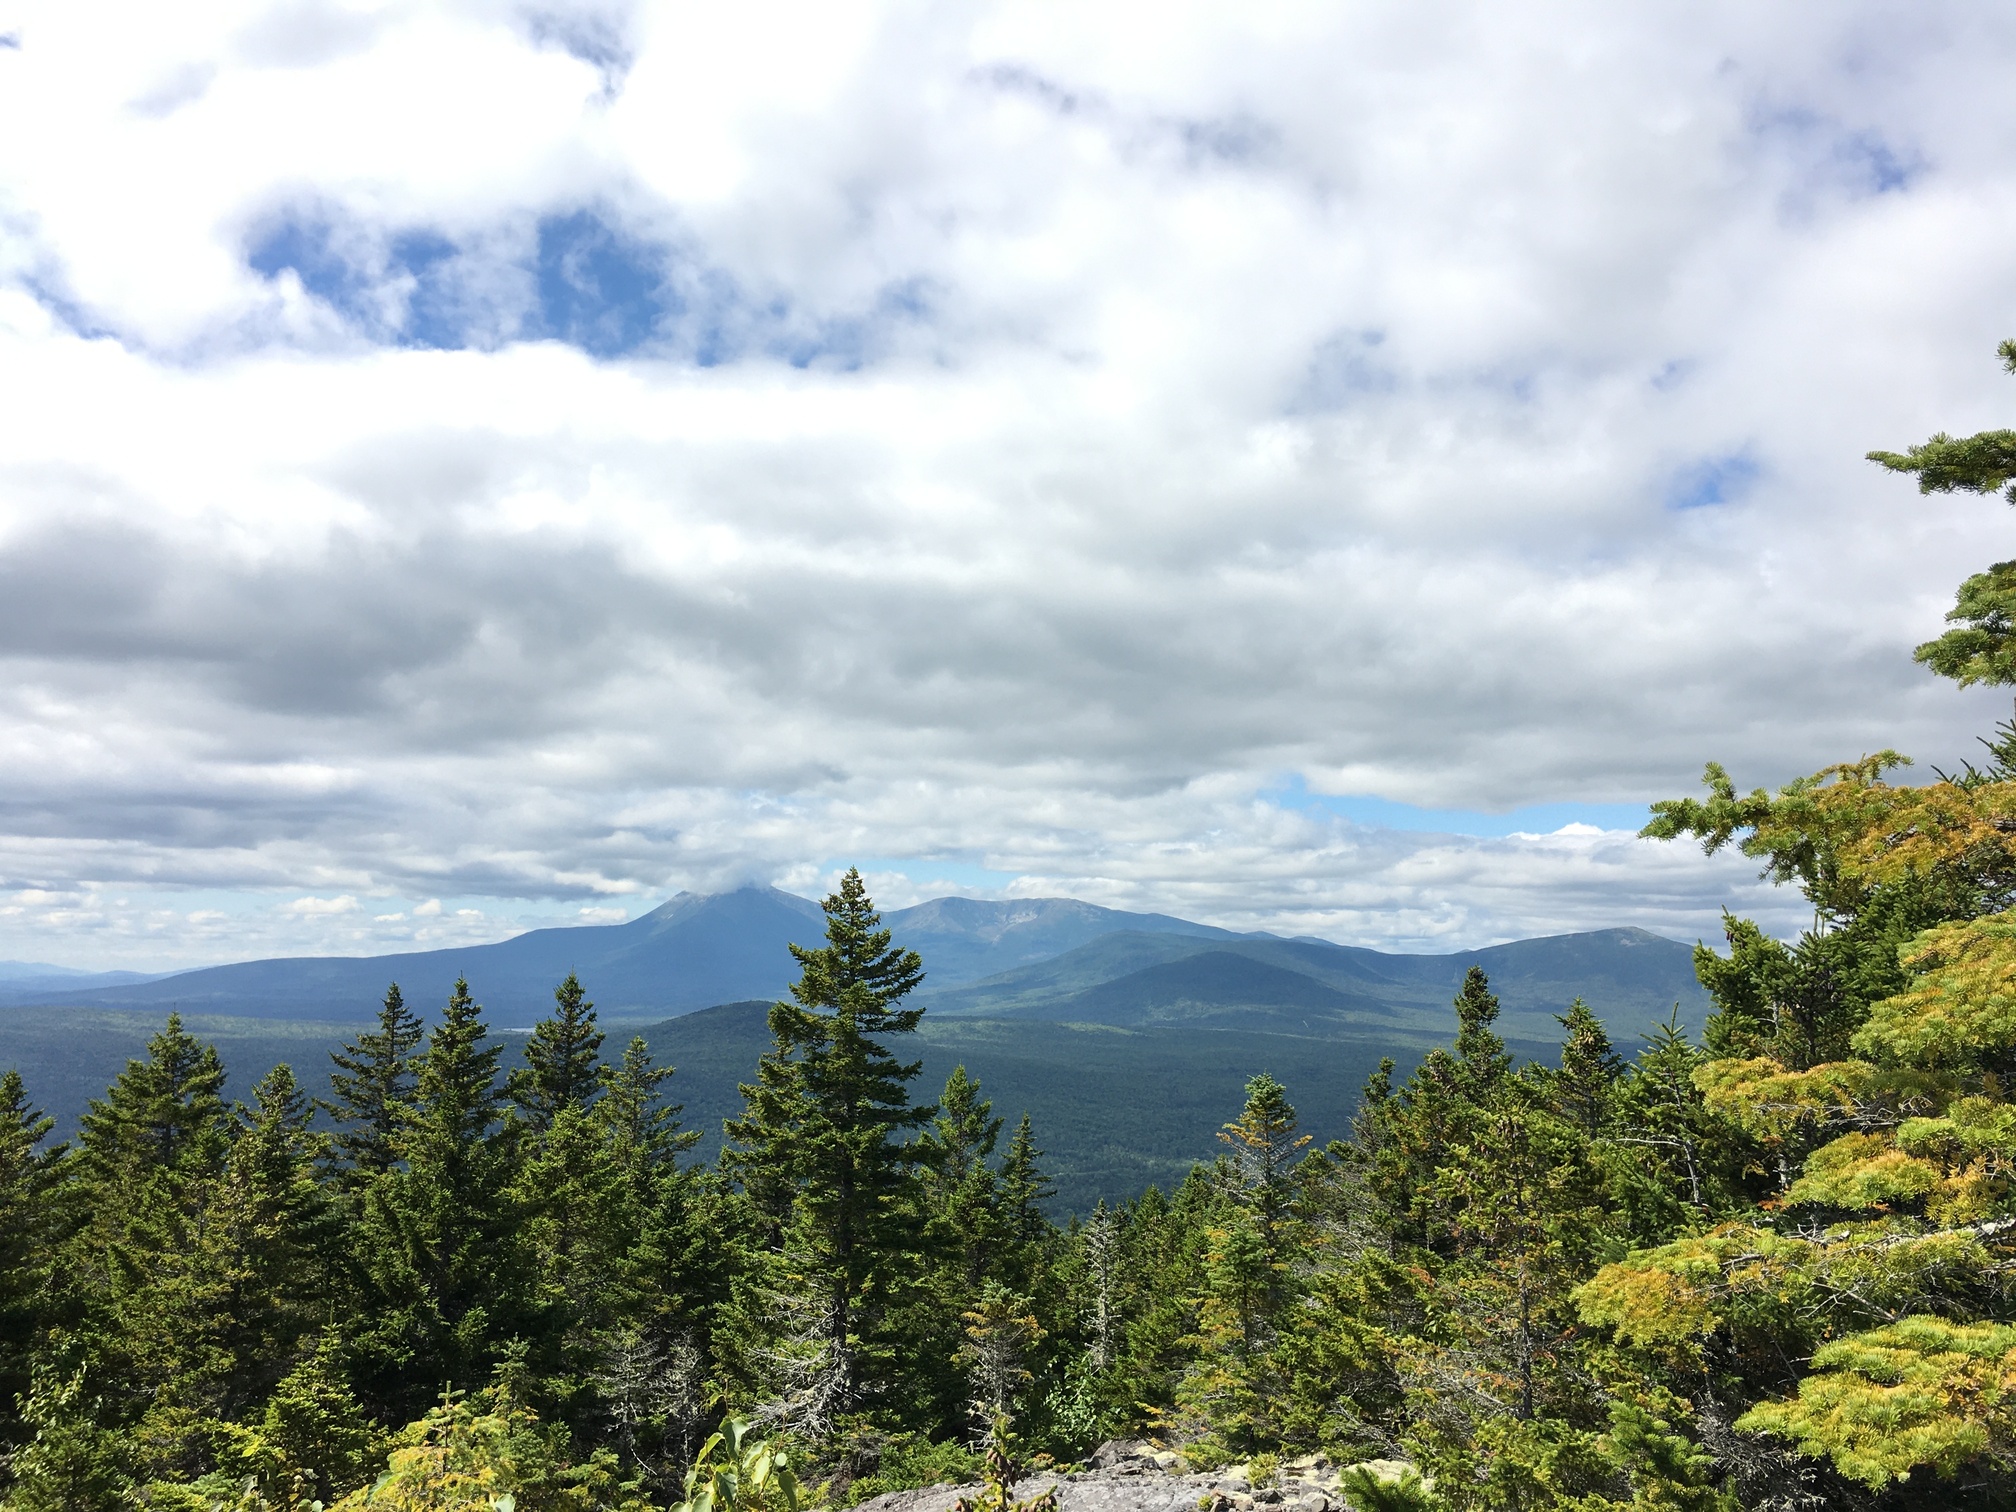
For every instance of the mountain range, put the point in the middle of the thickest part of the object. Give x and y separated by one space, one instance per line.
1127 1036
1049 959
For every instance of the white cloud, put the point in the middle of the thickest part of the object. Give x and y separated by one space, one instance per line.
1192 398
321 907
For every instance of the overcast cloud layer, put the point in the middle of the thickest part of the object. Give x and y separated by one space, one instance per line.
477 463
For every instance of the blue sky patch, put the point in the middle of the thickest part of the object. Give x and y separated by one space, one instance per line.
1711 481
577 277
1873 166
1385 813
1828 159
598 289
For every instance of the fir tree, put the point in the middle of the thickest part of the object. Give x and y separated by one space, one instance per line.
823 1126
960 1185
164 1115
1024 1187
1589 1069
441 1245
562 1058
1480 1054
267 1242
373 1088
151 1163
1263 1141
34 1218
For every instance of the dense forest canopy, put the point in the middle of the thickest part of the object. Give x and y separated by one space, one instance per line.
1768 1270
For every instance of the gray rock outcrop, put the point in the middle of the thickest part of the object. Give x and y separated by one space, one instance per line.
1131 1475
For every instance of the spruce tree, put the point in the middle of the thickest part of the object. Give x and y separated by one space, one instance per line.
961 1187
268 1242
1263 1142
1589 1070
373 1088
823 1126
1480 1054
152 1159
441 1237
1024 1187
33 1219
163 1115
562 1058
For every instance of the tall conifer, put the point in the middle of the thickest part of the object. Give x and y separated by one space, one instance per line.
823 1125
373 1088
33 1218
562 1058
442 1235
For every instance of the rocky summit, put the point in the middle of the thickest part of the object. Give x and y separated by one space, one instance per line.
1132 1475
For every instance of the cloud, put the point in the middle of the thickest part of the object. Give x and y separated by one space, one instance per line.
481 461
319 907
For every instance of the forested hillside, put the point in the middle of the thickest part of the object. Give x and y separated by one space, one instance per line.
1768 1269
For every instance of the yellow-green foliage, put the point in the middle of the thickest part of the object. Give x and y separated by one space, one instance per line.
1892 833
1682 1290
1972 1127
1863 1171
1919 1392
1963 1003
487 1453
1769 1101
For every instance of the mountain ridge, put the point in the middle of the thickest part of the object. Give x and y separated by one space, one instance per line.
1043 959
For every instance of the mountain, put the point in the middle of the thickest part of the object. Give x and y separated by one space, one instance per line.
1127 1036
1052 959
695 951
964 939
1631 978
28 981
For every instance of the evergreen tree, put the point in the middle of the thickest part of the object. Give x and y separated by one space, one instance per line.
152 1158
643 1127
823 1126
562 1058
1263 1141
164 1116
267 1243
1236 1386
1024 1188
373 1088
960 1186
34 1219
441 1252
1590 1068
318 1428
1481 1061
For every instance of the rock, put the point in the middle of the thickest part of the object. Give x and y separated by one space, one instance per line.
1122 1454
1316 1469
1133 1484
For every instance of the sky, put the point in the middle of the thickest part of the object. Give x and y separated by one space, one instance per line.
1324 468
